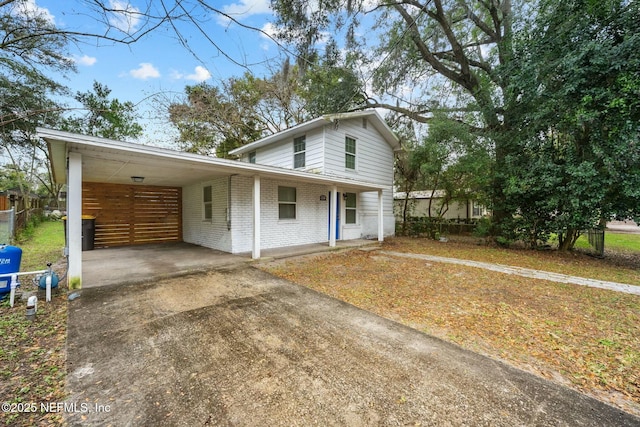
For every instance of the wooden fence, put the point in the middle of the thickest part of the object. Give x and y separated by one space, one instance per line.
133 214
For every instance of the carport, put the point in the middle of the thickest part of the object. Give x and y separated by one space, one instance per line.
108 170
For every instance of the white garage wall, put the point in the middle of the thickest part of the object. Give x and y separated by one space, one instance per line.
211 234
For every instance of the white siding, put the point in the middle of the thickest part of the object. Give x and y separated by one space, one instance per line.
374 157
211 234
280 154
325 153
368 213
374 163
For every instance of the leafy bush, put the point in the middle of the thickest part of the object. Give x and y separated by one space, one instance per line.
483 227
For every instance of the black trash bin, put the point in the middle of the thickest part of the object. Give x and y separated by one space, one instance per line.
88 231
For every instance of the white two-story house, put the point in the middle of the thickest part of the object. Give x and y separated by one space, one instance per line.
358 146
324 180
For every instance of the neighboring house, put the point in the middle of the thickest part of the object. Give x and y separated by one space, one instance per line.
454 209
280 195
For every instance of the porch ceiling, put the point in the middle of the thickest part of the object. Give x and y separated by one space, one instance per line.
100 165
116 162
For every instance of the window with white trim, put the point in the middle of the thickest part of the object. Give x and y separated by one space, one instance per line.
207 203
350 206
349 153
299 148
286 202
252 157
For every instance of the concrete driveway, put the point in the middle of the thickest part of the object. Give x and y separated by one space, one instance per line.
240 347
140 263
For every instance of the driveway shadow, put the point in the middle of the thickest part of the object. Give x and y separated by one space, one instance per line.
240 347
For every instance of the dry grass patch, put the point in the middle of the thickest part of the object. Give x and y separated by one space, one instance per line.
586 338
620 266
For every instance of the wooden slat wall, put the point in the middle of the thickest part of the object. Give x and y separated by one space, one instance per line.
133 214
4 203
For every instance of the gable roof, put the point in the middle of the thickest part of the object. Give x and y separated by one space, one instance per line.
106 160
376 120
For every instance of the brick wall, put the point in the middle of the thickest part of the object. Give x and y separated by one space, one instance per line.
310 225
211 234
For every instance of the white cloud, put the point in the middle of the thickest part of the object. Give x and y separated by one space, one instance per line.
176 75
245 8
85 60
270 29
145 71
30 9
200 74
124 16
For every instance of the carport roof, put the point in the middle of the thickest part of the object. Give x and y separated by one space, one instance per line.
111 161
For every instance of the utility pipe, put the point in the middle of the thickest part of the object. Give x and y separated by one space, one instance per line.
14 283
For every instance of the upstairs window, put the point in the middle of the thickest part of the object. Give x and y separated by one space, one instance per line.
207 203
350 206
349 153
299 148
252 157
286 202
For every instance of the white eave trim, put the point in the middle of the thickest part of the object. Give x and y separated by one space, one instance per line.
232 166
379 124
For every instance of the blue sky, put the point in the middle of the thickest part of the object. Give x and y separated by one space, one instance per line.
158 63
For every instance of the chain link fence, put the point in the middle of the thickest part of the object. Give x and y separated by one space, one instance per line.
7 226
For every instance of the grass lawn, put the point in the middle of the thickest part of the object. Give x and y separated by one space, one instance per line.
586 338
615 241
32 353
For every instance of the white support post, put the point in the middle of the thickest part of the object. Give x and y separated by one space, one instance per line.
380 217
333 219
74 220
255 252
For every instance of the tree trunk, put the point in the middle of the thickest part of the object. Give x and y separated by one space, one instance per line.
568 240
405 209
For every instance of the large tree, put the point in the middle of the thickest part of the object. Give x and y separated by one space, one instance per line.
549 88
432 56
100 115
30 47
576 78
213 120
216 119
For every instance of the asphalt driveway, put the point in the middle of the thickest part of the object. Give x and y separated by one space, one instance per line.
240 347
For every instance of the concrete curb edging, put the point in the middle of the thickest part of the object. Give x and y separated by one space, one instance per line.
525 272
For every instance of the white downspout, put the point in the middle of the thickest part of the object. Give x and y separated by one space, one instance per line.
380 217
255 252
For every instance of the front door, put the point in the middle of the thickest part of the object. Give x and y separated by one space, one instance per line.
337 230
